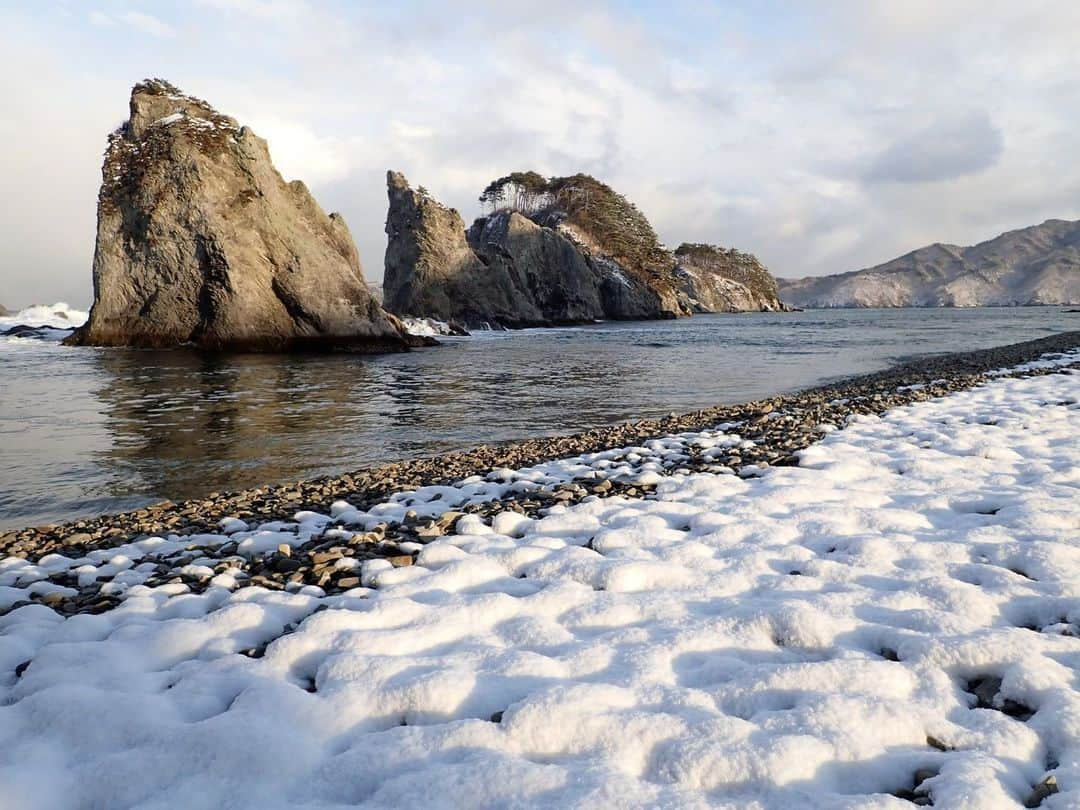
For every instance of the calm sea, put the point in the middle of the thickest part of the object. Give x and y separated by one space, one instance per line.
85 431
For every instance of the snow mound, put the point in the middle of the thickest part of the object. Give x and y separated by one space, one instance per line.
898 615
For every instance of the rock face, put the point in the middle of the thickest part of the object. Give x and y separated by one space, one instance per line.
1030 266
431 271
201 242
564 250
508 271
716 279
554 282
5 312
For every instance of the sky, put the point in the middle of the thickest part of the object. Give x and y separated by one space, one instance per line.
821 136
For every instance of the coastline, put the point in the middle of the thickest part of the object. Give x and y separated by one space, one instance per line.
771 430
895 615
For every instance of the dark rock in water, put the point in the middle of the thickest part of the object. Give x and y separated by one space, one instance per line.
716 279
43 332
201 242
555 251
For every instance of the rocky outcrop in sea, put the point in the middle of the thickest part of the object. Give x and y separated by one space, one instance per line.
553 251
200 241
1032 266
717 279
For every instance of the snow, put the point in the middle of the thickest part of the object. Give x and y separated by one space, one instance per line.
169 119
806 637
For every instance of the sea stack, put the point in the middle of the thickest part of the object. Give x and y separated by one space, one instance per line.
559 250
432 272
201 242
718 279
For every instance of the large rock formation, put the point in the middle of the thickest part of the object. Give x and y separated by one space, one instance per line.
431 271
508 270
5 312
1030 266
716 279
555 282
555 251
201 242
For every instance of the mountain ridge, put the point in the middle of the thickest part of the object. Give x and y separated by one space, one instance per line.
1029 266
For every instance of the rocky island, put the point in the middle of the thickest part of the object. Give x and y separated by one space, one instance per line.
716 279
559 250
1032 266
201 242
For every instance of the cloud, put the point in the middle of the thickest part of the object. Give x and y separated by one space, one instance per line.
277 10
299 152
951 147
822 139
140 21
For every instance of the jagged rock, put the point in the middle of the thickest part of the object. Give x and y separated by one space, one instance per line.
1030 266
200 241
556 280
431 271
586 254
5 312
716 279
637 272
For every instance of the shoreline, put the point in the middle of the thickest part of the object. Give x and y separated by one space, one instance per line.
321 536
864 394
906 593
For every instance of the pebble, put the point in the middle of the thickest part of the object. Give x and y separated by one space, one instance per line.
775 428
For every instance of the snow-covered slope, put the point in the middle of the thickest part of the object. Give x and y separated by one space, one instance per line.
899 615
1036 265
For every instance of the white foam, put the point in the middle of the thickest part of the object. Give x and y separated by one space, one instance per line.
59 315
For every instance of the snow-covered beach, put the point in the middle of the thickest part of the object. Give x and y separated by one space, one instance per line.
894 620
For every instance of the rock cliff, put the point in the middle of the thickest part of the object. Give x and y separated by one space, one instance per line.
1035 265
200 241
431 270
716 279
554 251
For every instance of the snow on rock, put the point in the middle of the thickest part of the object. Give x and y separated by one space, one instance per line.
898 615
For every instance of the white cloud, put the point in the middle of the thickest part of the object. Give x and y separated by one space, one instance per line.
822 140
147 23
140 21
300 153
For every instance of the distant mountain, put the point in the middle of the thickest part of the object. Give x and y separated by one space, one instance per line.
1035 265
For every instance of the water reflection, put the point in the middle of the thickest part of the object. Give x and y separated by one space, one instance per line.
87 430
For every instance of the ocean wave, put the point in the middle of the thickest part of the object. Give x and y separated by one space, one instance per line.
56 321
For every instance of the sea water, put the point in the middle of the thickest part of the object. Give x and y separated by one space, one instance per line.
86 431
